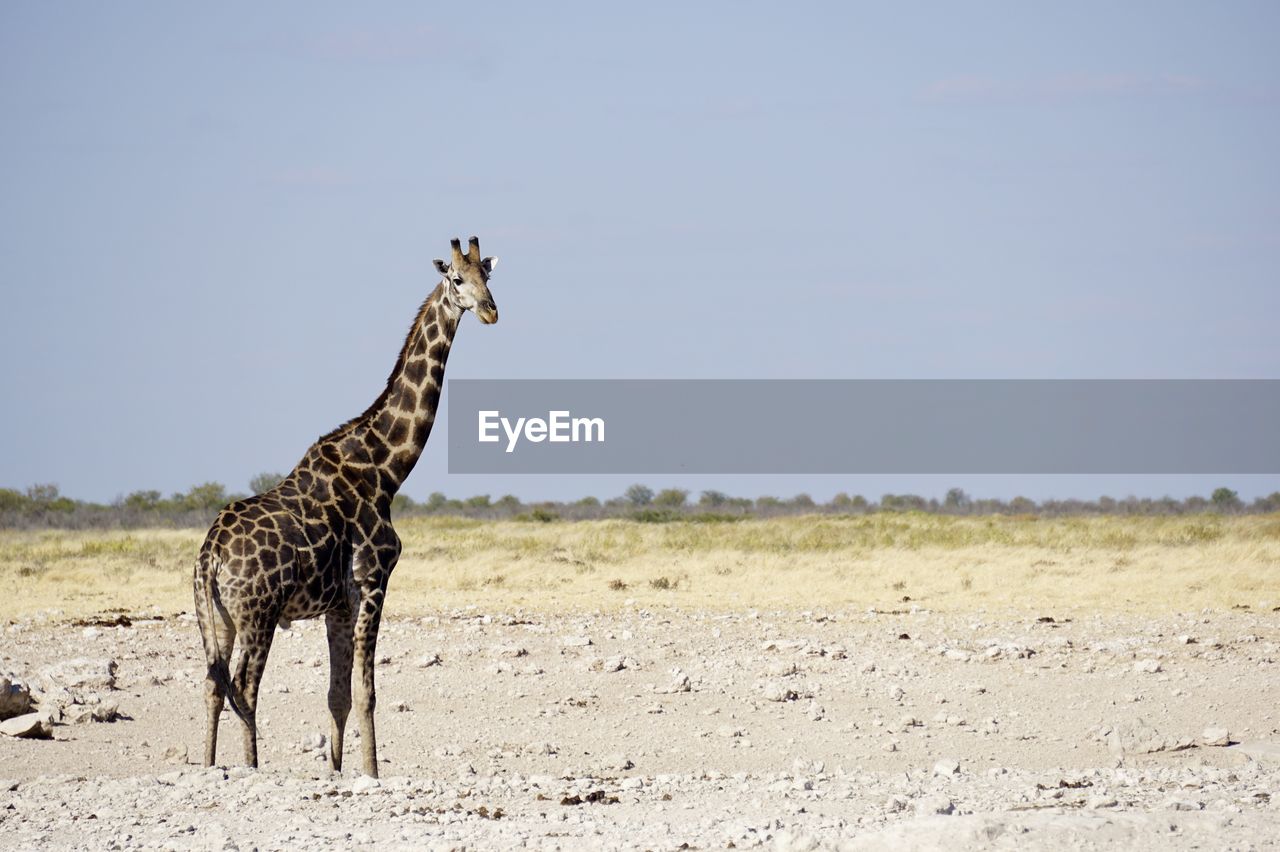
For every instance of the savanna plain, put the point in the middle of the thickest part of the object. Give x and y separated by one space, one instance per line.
892 680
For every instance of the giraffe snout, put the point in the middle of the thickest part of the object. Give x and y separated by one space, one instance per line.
487 311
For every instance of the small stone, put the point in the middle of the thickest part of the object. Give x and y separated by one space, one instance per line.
934 806
896 692
313 742
81 673
1215 737
98 711
781 669
400 706
775 690
428 661
176 753
947 767
1147 666
364 784
15 698
610 664
575 641
679 683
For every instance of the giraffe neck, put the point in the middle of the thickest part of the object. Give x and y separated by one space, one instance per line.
397 425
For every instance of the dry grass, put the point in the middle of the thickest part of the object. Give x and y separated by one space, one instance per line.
821 561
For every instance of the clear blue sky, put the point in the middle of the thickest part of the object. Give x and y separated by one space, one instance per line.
217 221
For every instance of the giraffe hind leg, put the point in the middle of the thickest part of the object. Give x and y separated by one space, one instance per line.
255 644
217 680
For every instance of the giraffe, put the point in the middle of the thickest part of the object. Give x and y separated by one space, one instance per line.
321 542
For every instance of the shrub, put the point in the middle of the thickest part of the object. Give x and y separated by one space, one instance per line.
672 498
264 482
639 495
1225 500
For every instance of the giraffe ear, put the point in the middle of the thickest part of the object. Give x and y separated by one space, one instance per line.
441 266
489 263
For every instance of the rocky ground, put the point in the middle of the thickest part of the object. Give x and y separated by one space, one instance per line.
660 729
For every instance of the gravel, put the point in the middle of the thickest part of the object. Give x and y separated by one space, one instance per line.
1068 745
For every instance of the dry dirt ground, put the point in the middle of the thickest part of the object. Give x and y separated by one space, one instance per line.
663 729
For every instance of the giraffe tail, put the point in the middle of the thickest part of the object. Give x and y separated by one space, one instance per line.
206 612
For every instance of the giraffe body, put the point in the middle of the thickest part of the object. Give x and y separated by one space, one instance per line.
321 542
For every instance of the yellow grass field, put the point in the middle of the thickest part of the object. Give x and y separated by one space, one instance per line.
882 560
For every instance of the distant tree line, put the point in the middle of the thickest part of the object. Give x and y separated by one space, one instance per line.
44 506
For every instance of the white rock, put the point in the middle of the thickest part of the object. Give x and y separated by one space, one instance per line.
81 673
896 692
611 664
947 767
776 690
785 841
934 805
575 641
34 726
98 711
1147 666
1215 737
364 784
679 683
313 742
428 661
15 698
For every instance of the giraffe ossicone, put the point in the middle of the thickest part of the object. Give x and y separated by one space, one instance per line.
321 542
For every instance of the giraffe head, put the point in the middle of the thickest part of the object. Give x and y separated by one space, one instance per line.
466 280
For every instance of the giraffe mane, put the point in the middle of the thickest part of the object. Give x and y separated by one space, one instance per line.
409 338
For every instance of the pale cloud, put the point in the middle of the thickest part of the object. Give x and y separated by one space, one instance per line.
311 177
411 44
357 45
972 88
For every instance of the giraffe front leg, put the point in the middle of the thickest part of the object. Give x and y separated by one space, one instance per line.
341 630
366 641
